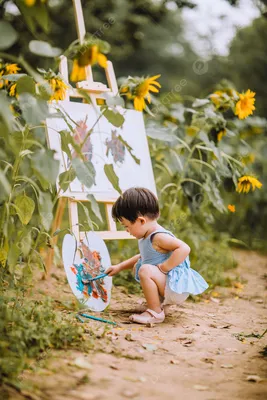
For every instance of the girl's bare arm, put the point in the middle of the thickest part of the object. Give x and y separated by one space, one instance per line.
127 264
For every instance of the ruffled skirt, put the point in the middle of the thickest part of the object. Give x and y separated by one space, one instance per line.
180 280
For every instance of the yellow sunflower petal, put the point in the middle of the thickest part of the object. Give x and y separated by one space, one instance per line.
155 83
29 3
94 55
139 103
102 60
152 78
153 89
78 73
12 90
148 97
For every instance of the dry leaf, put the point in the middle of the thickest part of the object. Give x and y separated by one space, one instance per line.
200 387
81 362
150 346
129 337
208 360
130 378
238 285
213 325
130 394
187 343
231 349
227 366
113 366
224 326
253 378
215 300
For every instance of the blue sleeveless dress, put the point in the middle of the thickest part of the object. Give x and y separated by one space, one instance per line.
181 279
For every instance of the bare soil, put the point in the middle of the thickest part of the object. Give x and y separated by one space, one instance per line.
200 352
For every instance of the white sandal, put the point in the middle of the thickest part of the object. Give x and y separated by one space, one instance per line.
154 318
140 308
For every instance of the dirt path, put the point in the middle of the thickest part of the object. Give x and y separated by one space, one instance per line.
195 354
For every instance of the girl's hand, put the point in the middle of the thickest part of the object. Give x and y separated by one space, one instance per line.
113 270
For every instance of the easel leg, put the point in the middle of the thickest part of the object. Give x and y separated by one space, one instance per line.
56 225
74 219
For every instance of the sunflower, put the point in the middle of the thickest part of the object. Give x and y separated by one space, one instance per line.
231 208
78 73
30 3
2 82
221 134
59 88
92 56
142 92
125 91
245 105
7 69
12 90
88 56
245 183
11 69
217 97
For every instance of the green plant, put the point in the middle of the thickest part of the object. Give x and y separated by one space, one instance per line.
29 328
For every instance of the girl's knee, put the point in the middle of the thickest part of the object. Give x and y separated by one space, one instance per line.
145 271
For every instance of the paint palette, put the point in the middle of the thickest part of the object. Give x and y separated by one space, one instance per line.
83 262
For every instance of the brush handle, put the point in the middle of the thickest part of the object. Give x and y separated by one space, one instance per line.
97 277
98 319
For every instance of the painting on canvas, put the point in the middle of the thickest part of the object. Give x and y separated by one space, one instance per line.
126 148
89 260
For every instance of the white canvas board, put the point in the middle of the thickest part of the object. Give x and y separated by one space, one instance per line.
89 259
101 140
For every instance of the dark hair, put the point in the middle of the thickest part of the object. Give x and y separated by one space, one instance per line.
135 202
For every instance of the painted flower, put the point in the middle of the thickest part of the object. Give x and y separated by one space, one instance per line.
231 208
246 182
59 88
142 92
245 105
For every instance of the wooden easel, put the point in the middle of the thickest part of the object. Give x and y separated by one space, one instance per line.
96 91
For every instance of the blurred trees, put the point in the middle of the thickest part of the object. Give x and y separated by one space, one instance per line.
145 36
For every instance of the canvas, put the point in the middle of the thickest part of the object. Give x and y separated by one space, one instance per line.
87 260
103 146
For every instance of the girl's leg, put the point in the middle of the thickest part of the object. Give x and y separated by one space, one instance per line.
153 284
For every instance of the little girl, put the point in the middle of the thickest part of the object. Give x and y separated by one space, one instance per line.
163 265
